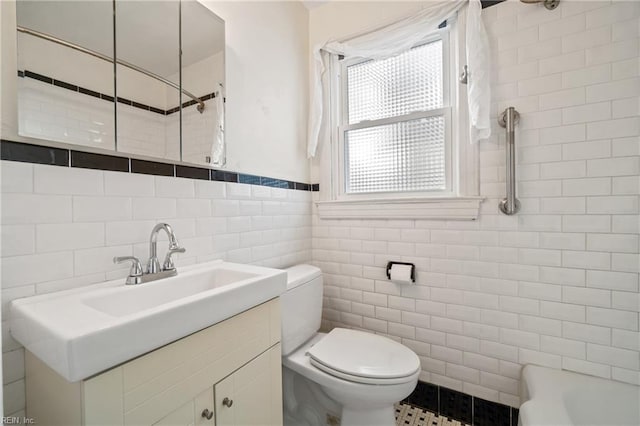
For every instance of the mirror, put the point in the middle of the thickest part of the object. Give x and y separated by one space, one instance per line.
148 78
169 106
65 94
203 78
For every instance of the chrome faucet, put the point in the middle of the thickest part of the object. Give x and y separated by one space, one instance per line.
153 266
154 271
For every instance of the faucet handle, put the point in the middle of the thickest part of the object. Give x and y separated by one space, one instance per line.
168 262
136 266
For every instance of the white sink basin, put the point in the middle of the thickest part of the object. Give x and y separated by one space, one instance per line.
81 332
138 298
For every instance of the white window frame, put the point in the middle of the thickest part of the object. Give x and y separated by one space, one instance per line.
461 200
444 111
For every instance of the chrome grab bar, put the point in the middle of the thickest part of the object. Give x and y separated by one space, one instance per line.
508 119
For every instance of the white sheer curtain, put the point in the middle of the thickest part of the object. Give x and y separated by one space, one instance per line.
400 37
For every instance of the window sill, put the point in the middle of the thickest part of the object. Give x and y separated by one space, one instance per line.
453 208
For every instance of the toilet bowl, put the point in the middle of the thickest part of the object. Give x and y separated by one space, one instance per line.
348 374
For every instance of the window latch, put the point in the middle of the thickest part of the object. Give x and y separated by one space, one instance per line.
464 75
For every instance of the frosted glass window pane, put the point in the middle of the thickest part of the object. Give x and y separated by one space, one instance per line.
404 156
409 82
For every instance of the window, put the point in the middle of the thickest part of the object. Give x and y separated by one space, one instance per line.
395 121
400 145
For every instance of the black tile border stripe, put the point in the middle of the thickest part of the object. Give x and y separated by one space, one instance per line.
152 168
89 92
103 96
462 407
38 154
36 76
64 85
192 172
456 405
124 101
224 176
89 160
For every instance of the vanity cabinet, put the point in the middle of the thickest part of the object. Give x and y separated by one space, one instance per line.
191 412
231 369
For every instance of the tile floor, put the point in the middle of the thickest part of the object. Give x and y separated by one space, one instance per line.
408 415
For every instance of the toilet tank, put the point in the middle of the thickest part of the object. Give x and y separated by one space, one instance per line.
301 306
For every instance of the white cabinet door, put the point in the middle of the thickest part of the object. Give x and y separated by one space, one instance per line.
182 416
204 408
197 412
253 394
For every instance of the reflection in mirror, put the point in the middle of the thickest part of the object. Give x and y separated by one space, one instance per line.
66 77
148 107
203 76
65 94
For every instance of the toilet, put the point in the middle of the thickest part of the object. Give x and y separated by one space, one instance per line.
345 377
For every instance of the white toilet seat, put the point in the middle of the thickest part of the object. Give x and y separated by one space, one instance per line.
358 379
364 358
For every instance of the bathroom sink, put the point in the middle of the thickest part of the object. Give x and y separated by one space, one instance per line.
81 332
141 297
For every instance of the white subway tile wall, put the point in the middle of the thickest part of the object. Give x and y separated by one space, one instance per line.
555 285
62 226
50 112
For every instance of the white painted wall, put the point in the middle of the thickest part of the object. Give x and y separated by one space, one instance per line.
267 86
557 284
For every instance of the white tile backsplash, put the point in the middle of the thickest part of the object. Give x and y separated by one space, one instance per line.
16 177
36 268
62 180
69 236
171 187
101 208
17 239
123 184
61 228
29 208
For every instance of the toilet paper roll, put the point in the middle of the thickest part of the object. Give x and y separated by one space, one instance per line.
401 274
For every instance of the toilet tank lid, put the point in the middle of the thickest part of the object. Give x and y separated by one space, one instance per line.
301 274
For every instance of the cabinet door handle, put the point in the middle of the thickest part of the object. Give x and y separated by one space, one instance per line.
207 414
227 402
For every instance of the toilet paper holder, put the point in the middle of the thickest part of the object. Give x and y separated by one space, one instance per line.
413 269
